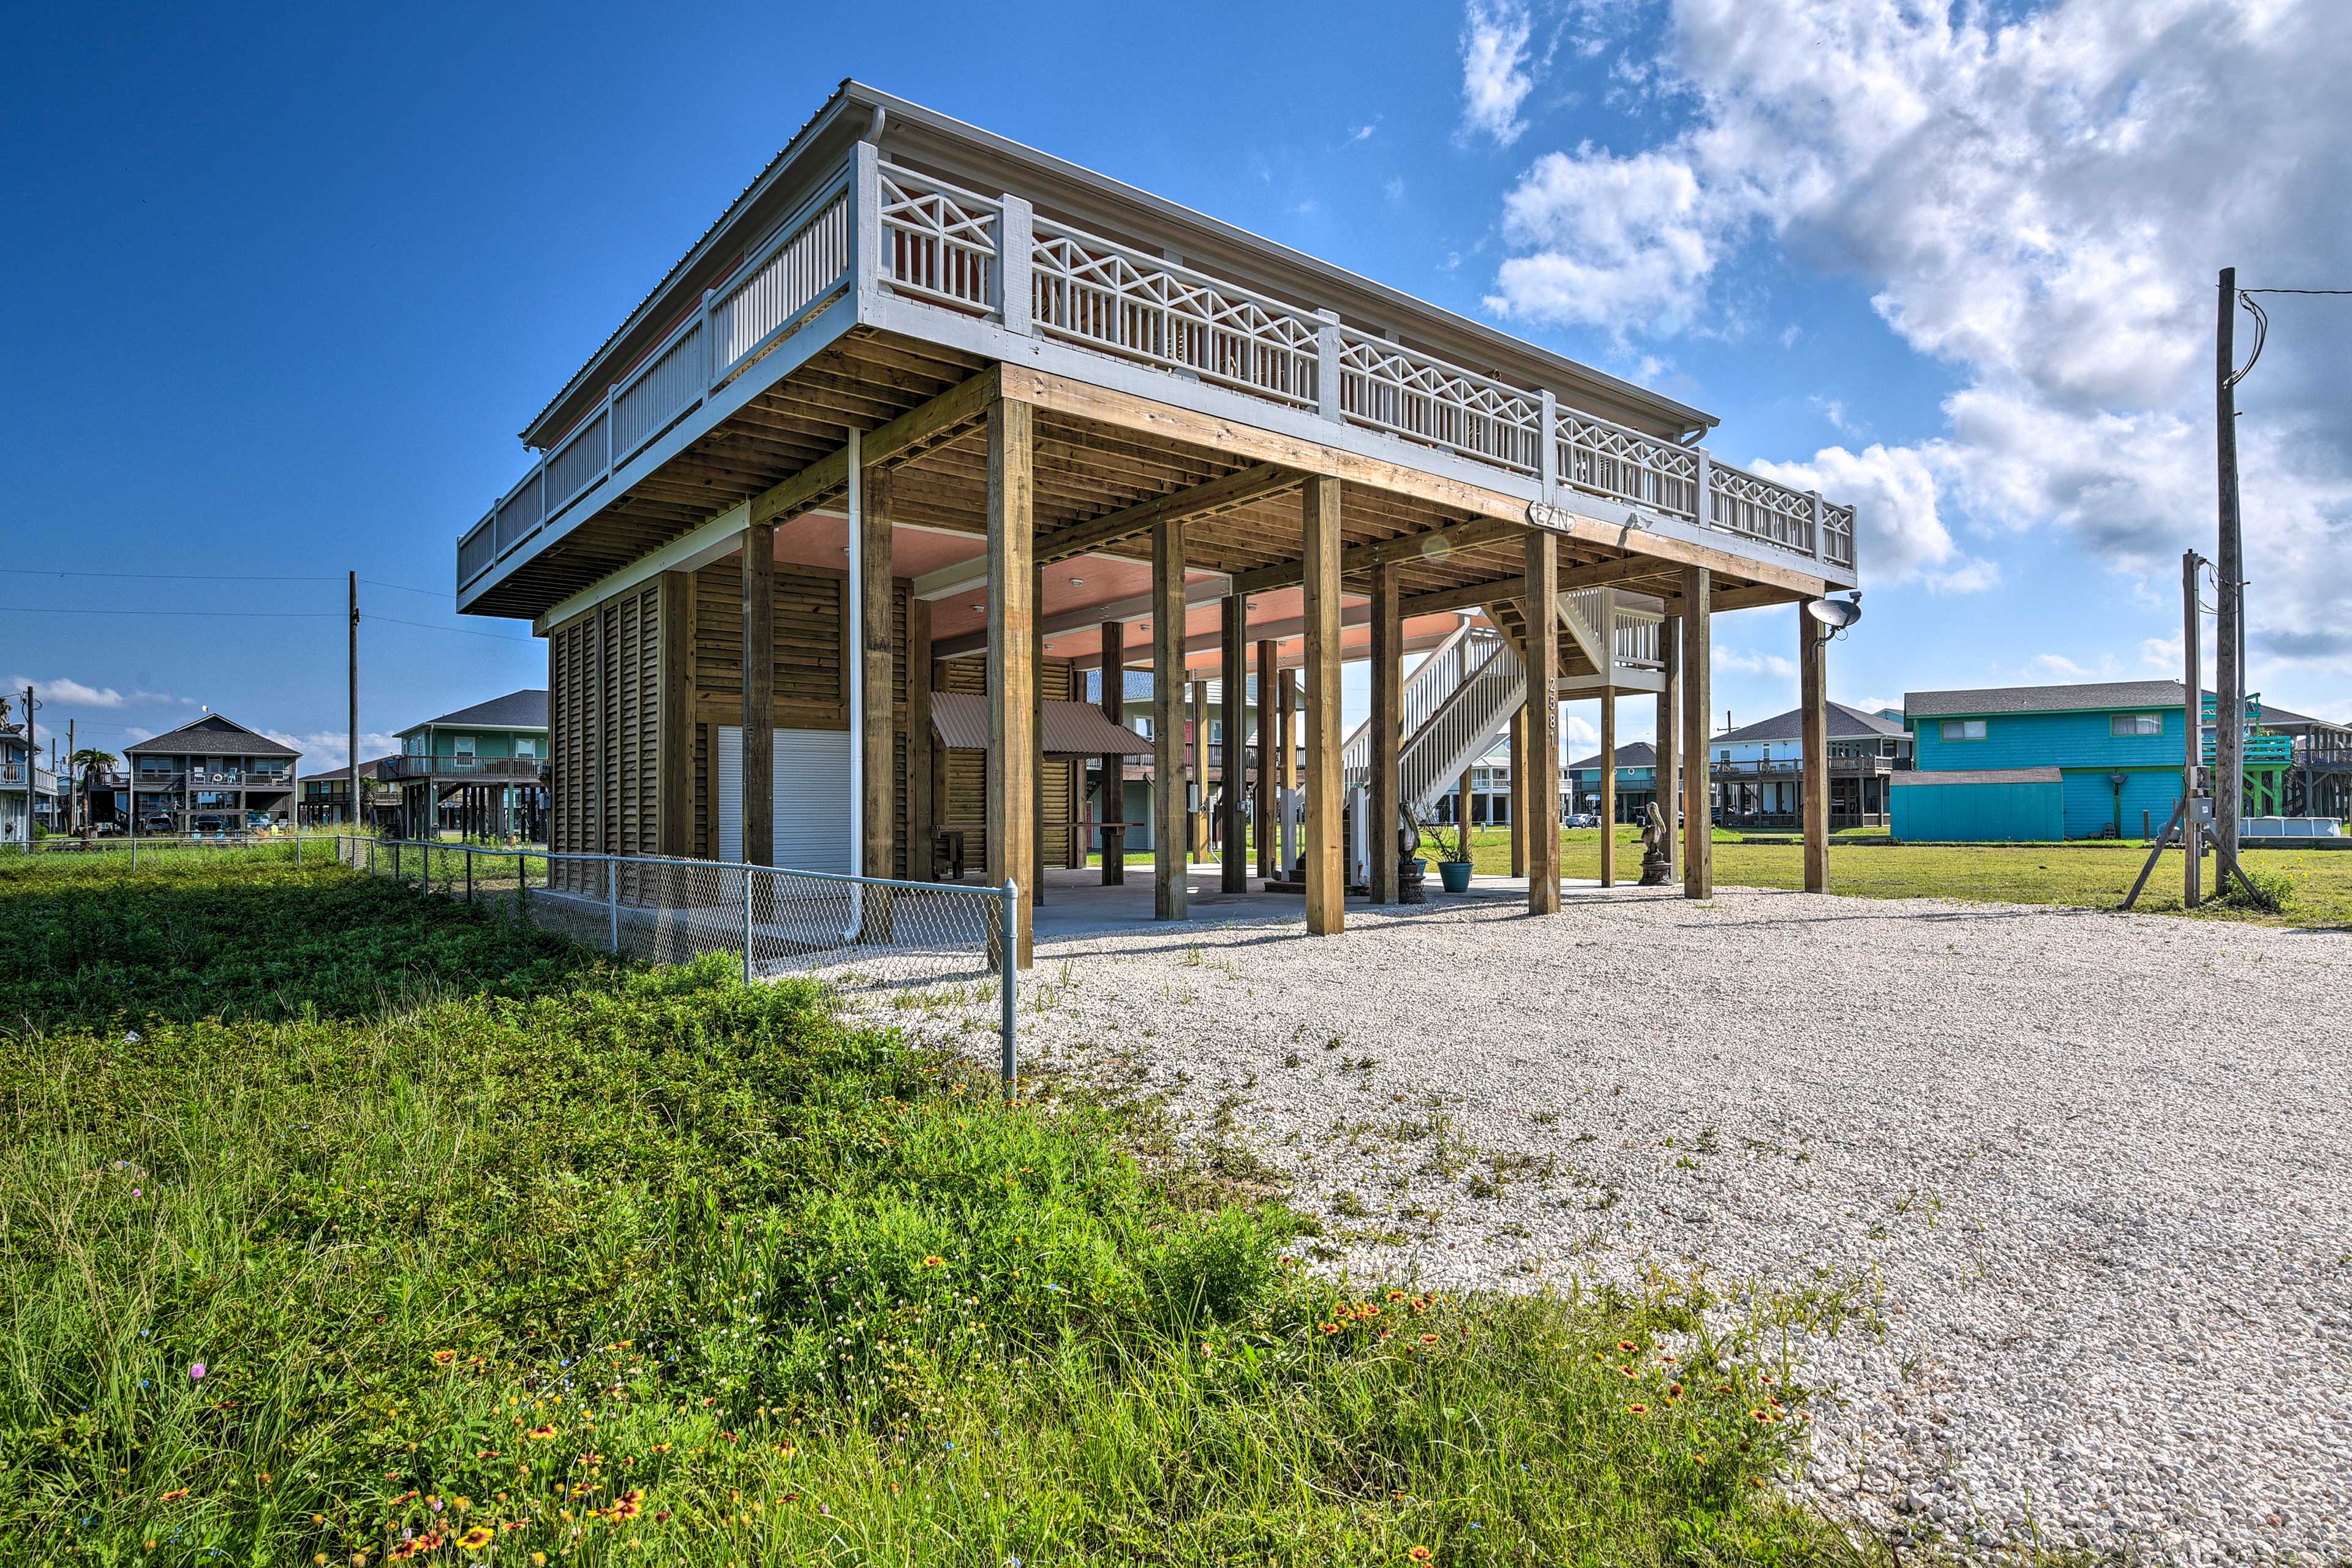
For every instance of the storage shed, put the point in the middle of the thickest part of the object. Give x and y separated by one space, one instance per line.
1984 805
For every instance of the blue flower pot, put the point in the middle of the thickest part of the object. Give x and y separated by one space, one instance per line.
1454 874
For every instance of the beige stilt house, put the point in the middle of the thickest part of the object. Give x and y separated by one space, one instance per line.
927 412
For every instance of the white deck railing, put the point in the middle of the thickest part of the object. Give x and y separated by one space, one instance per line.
1104 296
779 284
959 250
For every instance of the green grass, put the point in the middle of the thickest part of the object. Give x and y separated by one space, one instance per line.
470 1227
2316 884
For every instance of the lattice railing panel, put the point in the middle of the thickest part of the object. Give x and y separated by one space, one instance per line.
1609 460
1108 297
1758 507
1424 399
938 241
1837 534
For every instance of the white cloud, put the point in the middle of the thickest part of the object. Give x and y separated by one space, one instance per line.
2040 203
1393 188
1364 133
68 692
2065 668
1580 732
1612 242
1495 80
62 691
1743 661
325 749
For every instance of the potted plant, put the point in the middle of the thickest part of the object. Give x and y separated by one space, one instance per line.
1452 845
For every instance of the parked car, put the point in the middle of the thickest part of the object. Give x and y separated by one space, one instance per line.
158 822
216 826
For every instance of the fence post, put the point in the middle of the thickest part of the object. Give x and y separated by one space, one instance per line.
1009 950
297 850
747 925
469 873
612 898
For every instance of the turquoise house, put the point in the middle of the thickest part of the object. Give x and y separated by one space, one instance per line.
2024 763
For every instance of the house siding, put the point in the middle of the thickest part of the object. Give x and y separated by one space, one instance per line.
2081 744
1977 813
2051 740
2090 800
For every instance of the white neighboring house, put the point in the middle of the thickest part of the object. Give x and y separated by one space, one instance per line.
28 789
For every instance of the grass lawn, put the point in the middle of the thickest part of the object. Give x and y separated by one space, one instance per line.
2316 884
339 1224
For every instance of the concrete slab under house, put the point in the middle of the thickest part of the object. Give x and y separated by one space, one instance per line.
927 413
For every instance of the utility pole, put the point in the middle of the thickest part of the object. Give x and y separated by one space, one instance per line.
2192 842
32 763
2229 632
355 694
74 806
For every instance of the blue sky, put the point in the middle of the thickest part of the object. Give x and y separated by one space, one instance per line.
283 288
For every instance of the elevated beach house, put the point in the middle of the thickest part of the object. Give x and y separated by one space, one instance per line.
211 775
927 413
476 771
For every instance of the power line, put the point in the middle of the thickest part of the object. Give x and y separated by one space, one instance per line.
228 615
259 614
213 577
2295 291
468 631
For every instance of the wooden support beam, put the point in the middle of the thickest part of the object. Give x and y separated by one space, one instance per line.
1113 699
909 435
1197 832
1605 635
674 718
759 695
877 654
1668 746
1608 787
1237 489
1012 664
1542 657
1383 810
1699 815
922 811
1044 841
1519 793
1169 816
1326 888
1269 751
1232 661
1813 677
1286 721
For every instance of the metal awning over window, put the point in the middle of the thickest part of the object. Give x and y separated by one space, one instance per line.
1073 730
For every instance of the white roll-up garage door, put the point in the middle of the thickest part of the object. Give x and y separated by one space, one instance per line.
812 800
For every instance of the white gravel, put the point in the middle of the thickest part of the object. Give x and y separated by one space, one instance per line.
2075 1189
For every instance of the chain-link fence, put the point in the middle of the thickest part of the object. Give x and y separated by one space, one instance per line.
940 950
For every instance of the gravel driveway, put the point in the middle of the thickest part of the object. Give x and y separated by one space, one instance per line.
2073 1191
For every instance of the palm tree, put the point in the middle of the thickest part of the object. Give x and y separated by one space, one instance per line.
91 767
